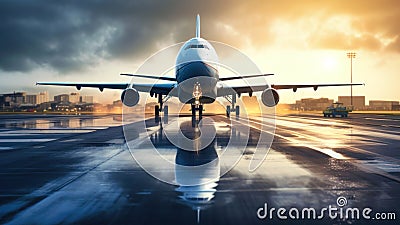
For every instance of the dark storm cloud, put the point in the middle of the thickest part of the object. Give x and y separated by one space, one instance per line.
69 35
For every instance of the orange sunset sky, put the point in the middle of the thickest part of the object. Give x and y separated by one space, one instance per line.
299 41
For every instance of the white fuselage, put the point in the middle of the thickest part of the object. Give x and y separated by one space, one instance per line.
196 68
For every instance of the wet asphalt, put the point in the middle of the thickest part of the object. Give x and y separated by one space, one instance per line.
80 169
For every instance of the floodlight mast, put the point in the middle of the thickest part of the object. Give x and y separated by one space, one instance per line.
351 55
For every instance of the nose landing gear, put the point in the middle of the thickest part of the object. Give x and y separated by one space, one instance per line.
196 106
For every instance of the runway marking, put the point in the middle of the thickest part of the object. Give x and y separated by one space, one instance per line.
350 123
12 209
38 146
12 137
373 169
358 163
354 149
383 165
26 140
144 193
116 141
382 119
48 131
2 134
294 141
71 140
371 132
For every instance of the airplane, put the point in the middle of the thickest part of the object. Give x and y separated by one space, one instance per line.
196 82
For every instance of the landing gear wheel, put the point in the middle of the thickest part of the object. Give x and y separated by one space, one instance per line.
237 111
228 111
166 110
165 117
193 107
193 111
200 112
156 111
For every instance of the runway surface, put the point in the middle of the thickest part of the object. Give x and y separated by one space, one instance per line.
78 170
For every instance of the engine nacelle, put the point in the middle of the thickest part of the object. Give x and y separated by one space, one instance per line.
130 97
270 97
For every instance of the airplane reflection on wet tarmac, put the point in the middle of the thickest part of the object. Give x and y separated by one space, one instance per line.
196 172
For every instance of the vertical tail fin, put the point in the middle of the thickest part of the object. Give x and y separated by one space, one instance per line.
198 26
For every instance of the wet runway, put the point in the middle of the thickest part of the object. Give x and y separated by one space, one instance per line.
78 170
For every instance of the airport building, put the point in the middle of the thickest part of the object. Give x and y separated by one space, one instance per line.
12 100
358 101
36 99
74 97
20 101
383 105
86 99
310 104
73 102
61 98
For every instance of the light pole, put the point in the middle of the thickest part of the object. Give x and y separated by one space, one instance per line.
351 55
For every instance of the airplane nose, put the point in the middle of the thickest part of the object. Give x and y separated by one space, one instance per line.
195 69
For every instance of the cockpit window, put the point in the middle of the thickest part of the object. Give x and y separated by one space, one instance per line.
196 46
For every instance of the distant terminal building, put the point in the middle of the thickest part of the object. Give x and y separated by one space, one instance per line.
74 97
61 98
383 105
12 100
73 102
311 104
36 99
86 99
1 101
31 99
20 101
358 101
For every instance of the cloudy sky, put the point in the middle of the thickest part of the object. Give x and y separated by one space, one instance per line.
302 41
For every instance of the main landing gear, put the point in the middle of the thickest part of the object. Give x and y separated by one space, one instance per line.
159 108
233 107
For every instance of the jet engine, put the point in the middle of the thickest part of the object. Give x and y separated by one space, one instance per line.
130 97
270 97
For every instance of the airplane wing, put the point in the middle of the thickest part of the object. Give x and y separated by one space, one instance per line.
148 76
294 87
155 88
92 85
245 76
227 90
224 89
173 79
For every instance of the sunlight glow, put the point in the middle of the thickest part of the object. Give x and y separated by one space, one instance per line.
329 63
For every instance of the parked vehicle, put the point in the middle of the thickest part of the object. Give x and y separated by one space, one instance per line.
336 109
